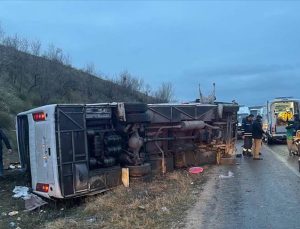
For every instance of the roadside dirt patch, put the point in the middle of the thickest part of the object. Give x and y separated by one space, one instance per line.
161 203
8 204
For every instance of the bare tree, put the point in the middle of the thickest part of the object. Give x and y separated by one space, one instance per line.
54 53
2 33
35 47
66 60
23 45
6 41
128 81
90 68
165 92
46 81
147 90
12 42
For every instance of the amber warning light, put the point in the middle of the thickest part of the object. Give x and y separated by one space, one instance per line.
40 116
42 187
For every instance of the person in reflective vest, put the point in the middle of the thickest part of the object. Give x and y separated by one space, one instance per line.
247 135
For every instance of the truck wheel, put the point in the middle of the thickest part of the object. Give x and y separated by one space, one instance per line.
139 170
137 118
135 108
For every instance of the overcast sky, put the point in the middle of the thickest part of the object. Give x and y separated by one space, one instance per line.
249 49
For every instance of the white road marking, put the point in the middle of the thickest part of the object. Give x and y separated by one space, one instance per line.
295 171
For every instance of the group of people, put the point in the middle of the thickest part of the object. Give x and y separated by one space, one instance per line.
252 134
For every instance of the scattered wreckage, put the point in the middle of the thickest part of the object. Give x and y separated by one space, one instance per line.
80 149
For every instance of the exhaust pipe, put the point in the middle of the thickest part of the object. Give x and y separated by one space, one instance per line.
192 125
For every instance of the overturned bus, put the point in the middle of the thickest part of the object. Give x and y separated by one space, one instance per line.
80 149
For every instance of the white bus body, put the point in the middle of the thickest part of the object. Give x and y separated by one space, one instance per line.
79 149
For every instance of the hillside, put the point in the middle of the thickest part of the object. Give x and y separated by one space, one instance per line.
28 81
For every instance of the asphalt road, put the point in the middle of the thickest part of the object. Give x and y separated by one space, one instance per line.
261 194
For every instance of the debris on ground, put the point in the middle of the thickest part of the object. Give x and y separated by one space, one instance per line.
15 165
144 200
92 220
13 213
21 192
12 224
34 202
165 209
195 170
230 175
12 167
142 207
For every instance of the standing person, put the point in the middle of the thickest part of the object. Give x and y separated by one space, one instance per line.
247 135
296 124
257 133
289 137
291 130
5 140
